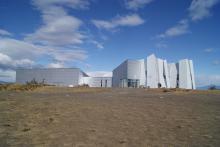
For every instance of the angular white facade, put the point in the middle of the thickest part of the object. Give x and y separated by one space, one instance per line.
172 68
131 73
151 71
161 73
166 74
186 74
154 73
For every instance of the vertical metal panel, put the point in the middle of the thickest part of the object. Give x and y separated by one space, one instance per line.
161 73
184 74
173 75
134 69
166 74
152 72
192 74
142 73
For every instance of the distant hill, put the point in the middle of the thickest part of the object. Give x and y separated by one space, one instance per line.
207 87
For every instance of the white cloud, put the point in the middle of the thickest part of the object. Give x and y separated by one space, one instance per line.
100 74
204 80
136 4
76 4
216 62
69 55
60 31
208 50
55 65
5 33
17 53
119 21
177 30
59 28
97 44
18 49
7 62
200 9
55 39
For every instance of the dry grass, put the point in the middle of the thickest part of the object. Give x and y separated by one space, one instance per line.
49 89
19 87
96 117
183 91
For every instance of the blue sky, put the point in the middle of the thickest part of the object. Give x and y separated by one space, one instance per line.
97 35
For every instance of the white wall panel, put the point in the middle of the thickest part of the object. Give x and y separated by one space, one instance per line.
119 73
142 73
166 74
152 72
52 76
173 75
161 73
192 74
184 74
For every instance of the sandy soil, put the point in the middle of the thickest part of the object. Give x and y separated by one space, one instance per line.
93 117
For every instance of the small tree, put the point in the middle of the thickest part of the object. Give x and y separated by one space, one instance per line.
32 82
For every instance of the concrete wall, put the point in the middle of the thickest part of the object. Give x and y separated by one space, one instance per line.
53 76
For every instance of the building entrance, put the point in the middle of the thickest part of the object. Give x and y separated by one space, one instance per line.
133 83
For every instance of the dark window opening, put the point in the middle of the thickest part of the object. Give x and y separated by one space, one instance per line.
106 83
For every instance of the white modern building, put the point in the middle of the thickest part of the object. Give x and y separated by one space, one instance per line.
151 72
154 73
61 77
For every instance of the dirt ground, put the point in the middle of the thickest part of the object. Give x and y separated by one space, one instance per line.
92 117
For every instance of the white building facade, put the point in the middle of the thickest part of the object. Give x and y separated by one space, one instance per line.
70 77
151 72
154 73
